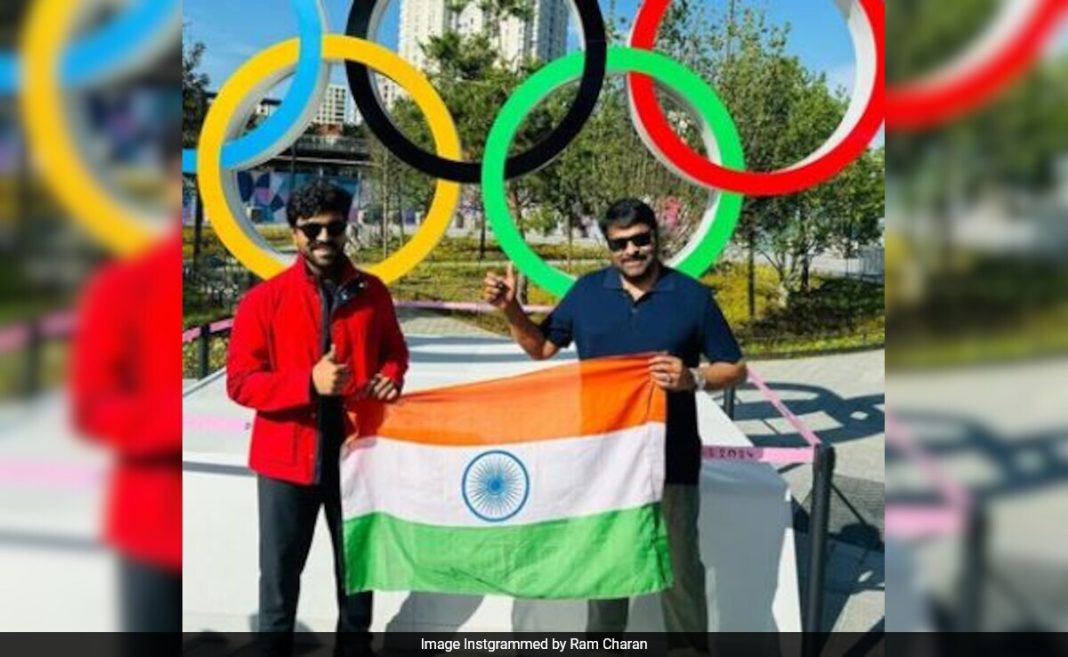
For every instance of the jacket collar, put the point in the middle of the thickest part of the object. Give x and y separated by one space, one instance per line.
299 271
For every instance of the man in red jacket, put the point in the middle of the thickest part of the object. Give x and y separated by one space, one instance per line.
303 343
126 394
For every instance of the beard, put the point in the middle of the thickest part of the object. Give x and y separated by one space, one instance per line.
638 267
323 255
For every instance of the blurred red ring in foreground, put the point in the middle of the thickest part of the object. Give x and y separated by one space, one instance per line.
866 20
1008 48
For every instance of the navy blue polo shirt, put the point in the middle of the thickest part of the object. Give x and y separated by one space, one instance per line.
678 315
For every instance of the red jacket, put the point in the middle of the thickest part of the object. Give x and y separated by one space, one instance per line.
275 342
126 392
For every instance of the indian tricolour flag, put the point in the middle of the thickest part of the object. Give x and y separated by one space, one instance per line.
543 485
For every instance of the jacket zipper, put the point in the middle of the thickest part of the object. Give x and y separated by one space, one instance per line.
340 299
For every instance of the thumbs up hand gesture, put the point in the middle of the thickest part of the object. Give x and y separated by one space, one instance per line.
329 376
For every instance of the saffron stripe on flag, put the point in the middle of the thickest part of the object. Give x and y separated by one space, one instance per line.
588 397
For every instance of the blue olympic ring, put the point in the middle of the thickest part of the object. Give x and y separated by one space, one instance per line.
105 49
309 79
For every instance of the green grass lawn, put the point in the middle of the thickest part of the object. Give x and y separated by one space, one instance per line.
52 370
985 309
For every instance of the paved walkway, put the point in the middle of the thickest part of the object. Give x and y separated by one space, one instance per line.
1000 431
415 321
841 398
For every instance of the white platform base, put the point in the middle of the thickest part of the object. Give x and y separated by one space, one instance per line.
747 541
56 575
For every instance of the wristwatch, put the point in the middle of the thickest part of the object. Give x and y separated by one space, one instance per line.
698 379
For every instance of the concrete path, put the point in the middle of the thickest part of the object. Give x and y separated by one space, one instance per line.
1000 433
842 399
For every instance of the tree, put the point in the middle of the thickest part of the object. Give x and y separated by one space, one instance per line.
753 72
194 92
474 81
842 214
843 211
1006 151
495 12
398 186
860 204
783 112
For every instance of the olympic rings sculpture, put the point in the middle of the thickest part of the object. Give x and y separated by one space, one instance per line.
128 37
1005 50
222 148
238 95
305 94
44 71
364 18
236 101
860 124
51 62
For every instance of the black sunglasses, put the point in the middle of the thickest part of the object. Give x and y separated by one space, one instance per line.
639 240
311 229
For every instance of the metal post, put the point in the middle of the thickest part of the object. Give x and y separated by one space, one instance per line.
198 228
358 202
973 573
385 208
400 202
204 343
25 205
728 401
822 477
32 375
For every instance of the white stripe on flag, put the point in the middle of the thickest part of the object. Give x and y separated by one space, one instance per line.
568 477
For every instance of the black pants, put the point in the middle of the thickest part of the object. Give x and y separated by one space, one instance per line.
287 514
151 597
151 609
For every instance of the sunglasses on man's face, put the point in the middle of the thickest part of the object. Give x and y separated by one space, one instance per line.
639 240
311 229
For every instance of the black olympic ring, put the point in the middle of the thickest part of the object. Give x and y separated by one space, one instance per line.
363 21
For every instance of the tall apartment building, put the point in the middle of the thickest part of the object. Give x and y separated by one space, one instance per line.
543 37
334 110
353 115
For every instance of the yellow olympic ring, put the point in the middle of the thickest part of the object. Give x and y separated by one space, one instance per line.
49 27
257 76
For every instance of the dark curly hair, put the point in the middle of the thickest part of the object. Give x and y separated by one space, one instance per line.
315 198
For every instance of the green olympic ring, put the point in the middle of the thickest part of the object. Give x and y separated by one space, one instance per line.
721 217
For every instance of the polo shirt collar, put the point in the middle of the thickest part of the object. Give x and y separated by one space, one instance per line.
664 283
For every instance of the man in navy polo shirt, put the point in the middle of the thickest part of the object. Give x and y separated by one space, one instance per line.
639 305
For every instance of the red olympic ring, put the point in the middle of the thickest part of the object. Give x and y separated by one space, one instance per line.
798 177
926 103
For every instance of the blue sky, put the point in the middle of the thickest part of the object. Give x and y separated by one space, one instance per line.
233 30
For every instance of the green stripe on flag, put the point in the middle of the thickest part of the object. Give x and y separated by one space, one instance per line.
610 555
